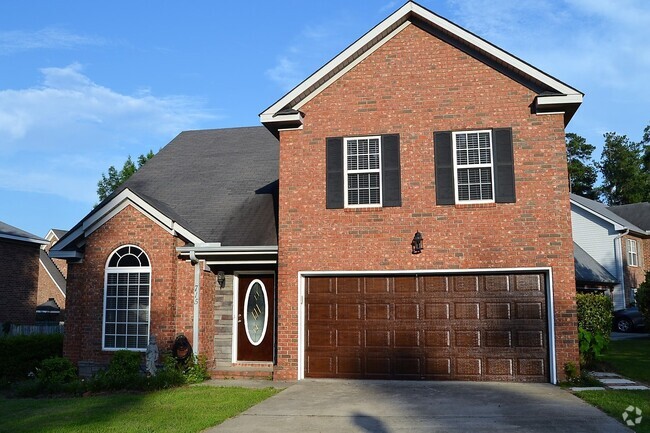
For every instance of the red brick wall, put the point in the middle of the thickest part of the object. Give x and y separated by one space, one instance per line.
47 289
634 275
171 287
18 281
415 85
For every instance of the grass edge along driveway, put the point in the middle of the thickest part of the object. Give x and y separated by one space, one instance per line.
186 409
630 358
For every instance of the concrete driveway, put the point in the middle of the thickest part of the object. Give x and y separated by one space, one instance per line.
390 406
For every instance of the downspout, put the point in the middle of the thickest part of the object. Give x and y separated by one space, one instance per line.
619 251
197 294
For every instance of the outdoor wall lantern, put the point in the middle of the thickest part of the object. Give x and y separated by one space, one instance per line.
416 243
221 279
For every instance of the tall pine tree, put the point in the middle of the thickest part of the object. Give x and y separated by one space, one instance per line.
114 178
582 172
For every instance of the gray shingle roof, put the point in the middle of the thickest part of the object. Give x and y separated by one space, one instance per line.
602 210
14 232
220 184
588 270
636 213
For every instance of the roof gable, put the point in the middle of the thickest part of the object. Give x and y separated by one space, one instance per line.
602 212
553 95
207 186
636 213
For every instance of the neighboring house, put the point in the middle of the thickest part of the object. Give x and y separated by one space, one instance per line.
636 249
611 241
51 281
19 271
404 214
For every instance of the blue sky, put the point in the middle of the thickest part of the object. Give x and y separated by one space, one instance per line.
85 84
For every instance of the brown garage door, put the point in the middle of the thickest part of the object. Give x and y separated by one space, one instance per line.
461 327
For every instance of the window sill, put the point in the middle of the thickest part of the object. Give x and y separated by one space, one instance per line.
474 205
363 209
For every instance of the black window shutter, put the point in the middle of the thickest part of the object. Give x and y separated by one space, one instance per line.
334 164
390 171
444 160
504 170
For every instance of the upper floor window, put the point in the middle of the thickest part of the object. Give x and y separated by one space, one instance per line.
127 296
363 171
473 166
632 252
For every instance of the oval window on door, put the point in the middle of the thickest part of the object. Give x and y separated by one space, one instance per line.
256 312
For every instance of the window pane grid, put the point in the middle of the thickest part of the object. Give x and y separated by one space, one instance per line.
473 159
126 319
632 253
363 171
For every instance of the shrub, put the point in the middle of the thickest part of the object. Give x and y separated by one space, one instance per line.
594 325
197 370
21 354
643 298
123 372
56 371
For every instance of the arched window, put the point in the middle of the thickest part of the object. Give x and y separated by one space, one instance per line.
126 300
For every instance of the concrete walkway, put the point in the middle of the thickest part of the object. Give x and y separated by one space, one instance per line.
391 406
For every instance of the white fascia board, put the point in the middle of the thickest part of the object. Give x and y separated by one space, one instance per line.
573 98
51 235
51 277
219 250
572 95
241 262
616 225
24 239
294 117
113 207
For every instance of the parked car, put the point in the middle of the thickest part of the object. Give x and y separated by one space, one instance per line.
628 320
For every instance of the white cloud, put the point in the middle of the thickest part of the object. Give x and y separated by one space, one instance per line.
48 38
58 137
286 73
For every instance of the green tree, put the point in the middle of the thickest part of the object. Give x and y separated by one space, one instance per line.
622 166
114 178
582 172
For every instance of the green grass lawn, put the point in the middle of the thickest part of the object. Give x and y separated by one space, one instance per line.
614 403
630 358
187 409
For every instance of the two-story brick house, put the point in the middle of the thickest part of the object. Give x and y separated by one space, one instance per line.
407 217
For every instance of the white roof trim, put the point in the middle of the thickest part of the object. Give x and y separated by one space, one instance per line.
51 277
568 94
616 225
113 207
65 254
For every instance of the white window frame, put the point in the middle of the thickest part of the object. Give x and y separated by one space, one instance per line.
464 166
632 253
346 172
125 270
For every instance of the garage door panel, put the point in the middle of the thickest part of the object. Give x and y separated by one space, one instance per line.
497 310
435 284
438 338
462 327
348 285
377 311
467 310
378 338
499 366
438 310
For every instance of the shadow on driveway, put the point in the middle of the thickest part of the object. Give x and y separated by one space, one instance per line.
397 406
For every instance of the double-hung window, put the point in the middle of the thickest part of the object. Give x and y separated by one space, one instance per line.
473 167
362 172
632 252
127 300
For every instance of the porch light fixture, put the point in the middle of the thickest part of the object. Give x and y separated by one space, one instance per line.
221 279
416 243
